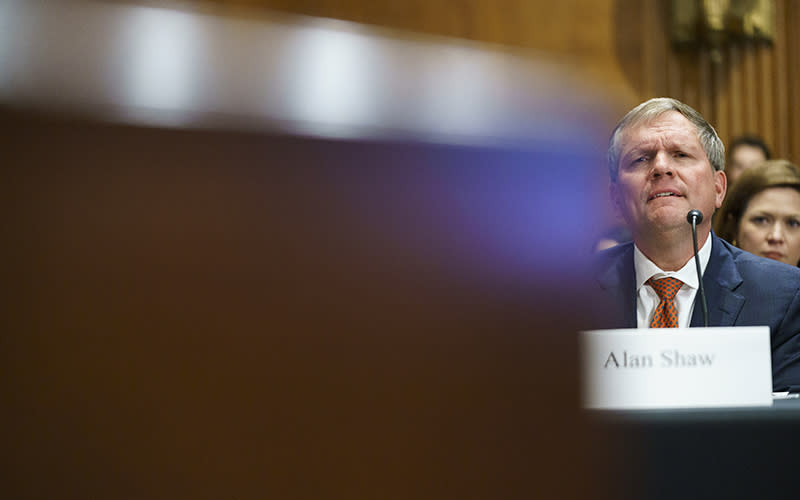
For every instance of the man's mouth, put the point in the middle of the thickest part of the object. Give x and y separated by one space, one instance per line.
663 195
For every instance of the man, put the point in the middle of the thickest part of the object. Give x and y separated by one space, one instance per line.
664 160
745 152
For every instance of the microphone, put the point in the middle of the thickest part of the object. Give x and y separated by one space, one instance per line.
695 217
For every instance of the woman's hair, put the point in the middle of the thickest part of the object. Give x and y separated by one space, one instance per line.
769 174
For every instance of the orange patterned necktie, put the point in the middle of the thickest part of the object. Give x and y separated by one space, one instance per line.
665 315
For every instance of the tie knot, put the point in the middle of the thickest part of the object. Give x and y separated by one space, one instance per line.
666 288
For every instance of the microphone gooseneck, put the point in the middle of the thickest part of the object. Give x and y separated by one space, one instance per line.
695 217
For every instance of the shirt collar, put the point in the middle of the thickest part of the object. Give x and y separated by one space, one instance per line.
646 269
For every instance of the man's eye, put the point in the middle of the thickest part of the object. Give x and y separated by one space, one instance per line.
681 154
759 219
793 223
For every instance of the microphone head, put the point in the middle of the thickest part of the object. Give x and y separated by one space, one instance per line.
694 214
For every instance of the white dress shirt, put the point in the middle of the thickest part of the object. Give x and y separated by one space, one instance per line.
647 298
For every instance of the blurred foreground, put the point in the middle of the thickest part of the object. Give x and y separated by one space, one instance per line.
217 288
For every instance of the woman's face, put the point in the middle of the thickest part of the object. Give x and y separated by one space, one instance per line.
770 225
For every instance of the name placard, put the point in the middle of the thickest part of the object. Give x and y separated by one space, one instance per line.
676 367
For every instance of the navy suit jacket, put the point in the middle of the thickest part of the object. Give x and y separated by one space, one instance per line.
742 289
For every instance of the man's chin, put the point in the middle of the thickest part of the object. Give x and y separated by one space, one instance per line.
666 221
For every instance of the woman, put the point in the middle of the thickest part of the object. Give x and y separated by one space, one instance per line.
761 212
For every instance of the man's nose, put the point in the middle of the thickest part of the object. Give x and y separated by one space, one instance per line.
661 165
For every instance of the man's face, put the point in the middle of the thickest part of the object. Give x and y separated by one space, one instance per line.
742 158
663 173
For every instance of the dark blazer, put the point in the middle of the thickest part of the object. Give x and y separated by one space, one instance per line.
741 290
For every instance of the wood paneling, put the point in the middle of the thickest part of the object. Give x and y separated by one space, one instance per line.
586 34
622 44
750 88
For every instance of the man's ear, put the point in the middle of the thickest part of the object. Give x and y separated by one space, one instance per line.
720 186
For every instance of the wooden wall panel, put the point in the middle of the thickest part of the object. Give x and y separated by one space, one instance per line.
779 60
747 87
624 45
793 79
582 33
750 90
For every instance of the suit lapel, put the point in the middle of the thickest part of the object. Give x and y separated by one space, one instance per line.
619 282
720 280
